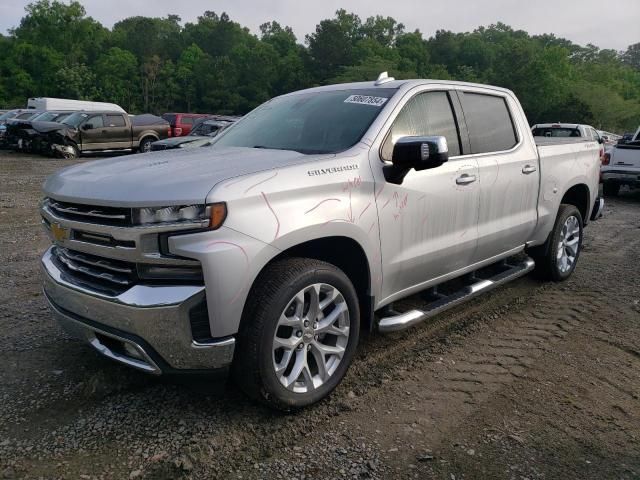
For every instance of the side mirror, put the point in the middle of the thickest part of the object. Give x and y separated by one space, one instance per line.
600 140
419 153
87 126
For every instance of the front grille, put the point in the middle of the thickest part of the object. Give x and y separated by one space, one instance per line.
91 213
106 275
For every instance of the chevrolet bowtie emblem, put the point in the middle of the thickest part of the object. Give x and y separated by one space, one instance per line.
59 233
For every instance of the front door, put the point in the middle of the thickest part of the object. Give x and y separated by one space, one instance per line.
92 133
428 224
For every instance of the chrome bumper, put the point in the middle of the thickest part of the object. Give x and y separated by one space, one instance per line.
627 178
146 327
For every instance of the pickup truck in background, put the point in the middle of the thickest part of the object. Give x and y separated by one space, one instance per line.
84 132
310 220
569 130
621 166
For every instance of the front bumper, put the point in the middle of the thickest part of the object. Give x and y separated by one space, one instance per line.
146 327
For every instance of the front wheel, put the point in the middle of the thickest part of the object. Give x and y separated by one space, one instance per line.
558 258
298 335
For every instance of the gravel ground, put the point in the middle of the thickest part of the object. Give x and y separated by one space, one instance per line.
530 381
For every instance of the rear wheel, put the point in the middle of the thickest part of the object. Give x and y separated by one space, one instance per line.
145 144
611 189
557 259
298 335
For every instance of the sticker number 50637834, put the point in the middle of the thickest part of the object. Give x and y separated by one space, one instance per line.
366 100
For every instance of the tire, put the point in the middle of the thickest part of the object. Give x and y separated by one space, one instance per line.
270 319
145 145
611 189
548 257
72 153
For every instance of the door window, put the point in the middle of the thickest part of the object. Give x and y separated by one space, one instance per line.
95 121
115 121
427 113
490 125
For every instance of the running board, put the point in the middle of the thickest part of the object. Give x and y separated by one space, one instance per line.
401 321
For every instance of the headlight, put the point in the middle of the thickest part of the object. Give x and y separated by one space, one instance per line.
211 216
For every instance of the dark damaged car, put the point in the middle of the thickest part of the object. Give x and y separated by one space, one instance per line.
87 132
28 135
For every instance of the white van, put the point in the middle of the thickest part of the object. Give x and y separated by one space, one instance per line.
47 103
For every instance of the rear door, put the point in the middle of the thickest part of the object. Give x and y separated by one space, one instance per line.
117 130
509 172
428 224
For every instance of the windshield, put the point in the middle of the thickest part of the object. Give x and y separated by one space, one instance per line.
7 115
75 119
312 122
555 132
46 116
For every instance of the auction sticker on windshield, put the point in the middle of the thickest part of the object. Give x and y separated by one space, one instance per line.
366 100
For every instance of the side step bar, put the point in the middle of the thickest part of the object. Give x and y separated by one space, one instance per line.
401 321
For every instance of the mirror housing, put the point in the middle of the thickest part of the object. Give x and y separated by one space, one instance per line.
87 126
419 153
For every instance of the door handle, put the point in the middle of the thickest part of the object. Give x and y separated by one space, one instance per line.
465 179
527 169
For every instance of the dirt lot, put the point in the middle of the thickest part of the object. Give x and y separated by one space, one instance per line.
531 381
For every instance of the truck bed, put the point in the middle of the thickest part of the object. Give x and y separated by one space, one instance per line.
542 141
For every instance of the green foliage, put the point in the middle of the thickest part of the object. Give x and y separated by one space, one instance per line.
216 65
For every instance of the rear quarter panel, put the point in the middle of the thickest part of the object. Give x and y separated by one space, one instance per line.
563 166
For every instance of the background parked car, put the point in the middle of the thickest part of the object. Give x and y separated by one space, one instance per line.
621 166
182 123
26 135
201 135
13 115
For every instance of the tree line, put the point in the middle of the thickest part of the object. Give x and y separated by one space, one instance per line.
216 65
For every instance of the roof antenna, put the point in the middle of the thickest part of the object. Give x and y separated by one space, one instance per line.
384 78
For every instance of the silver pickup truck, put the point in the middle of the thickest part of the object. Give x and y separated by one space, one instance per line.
307 222
621 166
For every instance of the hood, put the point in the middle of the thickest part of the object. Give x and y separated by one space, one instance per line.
175 141
174 177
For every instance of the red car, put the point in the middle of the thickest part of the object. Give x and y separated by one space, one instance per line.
181 123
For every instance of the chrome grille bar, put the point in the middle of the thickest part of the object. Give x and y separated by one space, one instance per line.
86 270
108 265
93 212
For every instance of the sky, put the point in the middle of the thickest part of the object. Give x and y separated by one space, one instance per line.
607 24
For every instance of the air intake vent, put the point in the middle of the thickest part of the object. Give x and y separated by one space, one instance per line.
199 318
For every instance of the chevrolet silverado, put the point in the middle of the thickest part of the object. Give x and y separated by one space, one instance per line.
308 221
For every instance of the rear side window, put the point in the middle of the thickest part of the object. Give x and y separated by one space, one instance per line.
428 113
96 121
115 121
489 122
187 120
555 132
